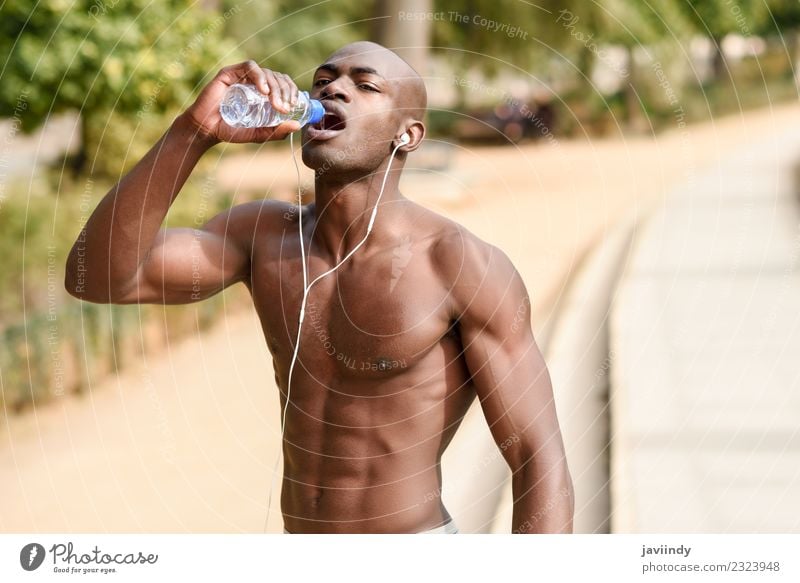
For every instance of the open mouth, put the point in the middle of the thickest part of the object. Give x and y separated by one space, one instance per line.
331 121
331 124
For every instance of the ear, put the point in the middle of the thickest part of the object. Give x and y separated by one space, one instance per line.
416 133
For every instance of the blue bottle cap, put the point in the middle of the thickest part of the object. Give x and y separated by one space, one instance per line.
317 111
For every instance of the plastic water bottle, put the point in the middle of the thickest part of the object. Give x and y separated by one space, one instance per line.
244 106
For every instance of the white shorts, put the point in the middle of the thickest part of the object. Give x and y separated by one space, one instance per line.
448 527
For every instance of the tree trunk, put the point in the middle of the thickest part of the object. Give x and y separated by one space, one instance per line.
408 36
635 118
719 69
77 162
794 55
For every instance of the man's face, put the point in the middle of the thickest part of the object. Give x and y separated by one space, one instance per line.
360 94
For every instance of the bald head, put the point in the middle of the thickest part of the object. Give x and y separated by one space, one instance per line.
412 95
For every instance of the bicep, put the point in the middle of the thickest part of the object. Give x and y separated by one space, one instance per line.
187 265
507 368
513 386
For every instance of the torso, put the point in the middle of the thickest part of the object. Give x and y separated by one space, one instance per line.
380 384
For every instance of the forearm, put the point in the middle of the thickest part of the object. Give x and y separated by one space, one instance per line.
121 230
543 499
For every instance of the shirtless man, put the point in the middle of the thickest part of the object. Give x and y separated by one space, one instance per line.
388 362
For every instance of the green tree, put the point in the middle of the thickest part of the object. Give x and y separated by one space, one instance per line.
293 36
632 26
121 63
716 19
493 35
782 15
783 20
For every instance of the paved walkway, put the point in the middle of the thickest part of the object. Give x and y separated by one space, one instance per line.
705 340
21 153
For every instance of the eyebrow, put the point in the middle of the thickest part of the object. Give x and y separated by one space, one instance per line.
353 70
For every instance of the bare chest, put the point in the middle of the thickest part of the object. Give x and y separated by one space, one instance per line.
377 318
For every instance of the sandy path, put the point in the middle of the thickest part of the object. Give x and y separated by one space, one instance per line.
186 441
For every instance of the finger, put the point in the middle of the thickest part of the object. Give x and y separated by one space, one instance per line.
240 72
257 77
294 92
276 94
286 90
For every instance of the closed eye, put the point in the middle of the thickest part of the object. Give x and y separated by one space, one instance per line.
368 87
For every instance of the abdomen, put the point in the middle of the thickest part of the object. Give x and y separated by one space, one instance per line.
362 454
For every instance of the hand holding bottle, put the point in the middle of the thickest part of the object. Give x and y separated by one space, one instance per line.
205 116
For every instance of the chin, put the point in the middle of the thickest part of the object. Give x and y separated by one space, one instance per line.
318 155
336 158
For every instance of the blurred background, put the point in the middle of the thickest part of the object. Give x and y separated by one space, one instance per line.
637 161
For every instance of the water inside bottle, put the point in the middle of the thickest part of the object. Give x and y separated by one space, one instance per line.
243 106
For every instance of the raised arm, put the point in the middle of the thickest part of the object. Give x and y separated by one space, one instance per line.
511 380
123 255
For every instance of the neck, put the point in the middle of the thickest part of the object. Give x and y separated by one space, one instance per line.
343 208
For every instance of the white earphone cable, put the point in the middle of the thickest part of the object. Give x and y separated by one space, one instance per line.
307 288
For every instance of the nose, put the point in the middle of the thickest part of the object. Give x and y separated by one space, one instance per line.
336 89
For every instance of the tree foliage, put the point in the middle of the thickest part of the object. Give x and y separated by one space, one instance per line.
132 59
294 36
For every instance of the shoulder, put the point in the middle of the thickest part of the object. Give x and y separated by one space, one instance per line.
479 276
462 259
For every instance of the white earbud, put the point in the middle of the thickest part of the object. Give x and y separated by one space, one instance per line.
405 139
